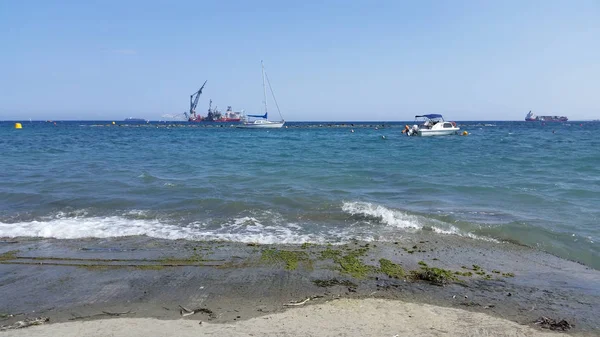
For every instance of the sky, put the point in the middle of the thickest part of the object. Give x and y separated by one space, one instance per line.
327 60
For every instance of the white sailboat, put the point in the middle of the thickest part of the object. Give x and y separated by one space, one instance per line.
262 121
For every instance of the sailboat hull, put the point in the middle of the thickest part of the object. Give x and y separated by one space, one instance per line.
261 124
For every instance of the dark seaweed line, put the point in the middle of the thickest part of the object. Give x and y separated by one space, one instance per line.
38 258
92 265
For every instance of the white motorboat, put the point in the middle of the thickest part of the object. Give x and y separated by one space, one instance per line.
431 125
262 121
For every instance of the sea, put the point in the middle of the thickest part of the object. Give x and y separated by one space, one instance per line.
530 183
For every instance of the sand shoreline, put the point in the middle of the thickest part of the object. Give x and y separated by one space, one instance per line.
77 280
343 317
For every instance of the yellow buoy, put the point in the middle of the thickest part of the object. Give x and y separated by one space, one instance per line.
113 123
18 126
465 133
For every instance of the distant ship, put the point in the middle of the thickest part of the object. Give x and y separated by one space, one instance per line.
214 115
531 117
133 119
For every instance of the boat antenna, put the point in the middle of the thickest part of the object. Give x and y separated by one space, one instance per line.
272 93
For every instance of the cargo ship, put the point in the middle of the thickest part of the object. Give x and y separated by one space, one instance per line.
213 115
531 117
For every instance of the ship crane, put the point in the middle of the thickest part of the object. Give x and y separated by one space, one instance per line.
194 101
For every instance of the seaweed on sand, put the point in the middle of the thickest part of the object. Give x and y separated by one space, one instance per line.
290 258
10 255
433 275
334 282
349 262
391 269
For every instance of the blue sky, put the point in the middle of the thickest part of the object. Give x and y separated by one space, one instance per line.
327 60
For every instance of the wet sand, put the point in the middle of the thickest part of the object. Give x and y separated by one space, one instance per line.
345 317
83 281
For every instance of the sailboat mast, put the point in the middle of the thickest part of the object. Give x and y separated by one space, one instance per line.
264 87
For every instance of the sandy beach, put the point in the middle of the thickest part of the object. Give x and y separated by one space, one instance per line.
138 287
344 317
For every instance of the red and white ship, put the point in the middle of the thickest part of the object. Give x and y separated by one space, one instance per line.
214 115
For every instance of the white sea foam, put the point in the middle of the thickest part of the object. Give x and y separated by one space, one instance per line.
385 215
399 219
245 229
450 231
96 227
382 224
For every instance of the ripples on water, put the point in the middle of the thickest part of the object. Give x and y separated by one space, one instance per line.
512 181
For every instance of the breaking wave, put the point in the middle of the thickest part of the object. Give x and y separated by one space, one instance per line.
398 219
78 226
384 215
369 222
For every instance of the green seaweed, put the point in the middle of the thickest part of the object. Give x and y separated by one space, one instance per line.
496 271
433 275
98 266
350 262
334 282
391 269
330 253
150 267
10 255
508 274
290 258
353 266
466 273
194 258
305 245
422 263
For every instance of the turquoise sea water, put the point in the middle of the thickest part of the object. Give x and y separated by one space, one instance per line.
529 183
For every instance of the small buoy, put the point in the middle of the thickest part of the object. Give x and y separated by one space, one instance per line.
465 133
352 130
18 126
113 123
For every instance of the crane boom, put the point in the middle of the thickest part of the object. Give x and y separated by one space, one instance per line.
194 100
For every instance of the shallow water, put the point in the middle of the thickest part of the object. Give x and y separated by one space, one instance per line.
530 183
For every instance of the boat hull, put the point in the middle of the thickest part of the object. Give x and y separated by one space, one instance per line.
225 120
442 132
263 125
546 119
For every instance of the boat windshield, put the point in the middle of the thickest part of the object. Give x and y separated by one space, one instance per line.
429 119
